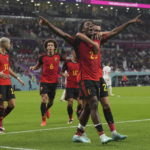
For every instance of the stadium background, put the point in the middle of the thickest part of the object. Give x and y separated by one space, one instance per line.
128 53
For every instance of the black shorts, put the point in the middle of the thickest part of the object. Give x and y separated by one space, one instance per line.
6 93
49 89
72 93
90 88
103 88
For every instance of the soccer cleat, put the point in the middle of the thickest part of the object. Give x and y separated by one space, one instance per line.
2 130
105 139
81 138
48 114
117 136
70 121
43 123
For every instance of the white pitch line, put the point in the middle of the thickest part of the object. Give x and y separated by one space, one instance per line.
59 128
15 148
146 97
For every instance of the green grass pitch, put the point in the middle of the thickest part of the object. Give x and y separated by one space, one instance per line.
131 110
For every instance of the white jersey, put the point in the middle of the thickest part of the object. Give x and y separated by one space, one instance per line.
106 71
106 75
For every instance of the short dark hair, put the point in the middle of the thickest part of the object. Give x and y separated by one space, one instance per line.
50 41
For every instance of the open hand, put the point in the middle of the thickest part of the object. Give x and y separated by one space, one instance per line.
136 20
43 21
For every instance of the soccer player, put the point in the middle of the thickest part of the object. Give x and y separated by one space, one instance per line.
107 78
6 90
104 36
72 86
49 77
88 54
86 50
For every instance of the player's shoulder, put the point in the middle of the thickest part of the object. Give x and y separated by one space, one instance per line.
42 56
57 54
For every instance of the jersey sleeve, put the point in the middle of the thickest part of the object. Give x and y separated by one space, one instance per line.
40 61
104 38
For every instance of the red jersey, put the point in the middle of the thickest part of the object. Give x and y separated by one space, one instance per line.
103 40
50 68
73 69
89 62
100 67
4 67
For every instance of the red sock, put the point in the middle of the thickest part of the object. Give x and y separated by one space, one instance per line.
1 122
112 127
43 118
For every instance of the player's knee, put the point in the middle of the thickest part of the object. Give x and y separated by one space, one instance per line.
94 105
106 106
87 108
44 98
70 103
12 106
105 103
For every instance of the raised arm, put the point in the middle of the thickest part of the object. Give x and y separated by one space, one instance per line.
70 39
117 30
86 39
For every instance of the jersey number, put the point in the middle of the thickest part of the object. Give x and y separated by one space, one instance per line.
105 87
93 56
74 72
51 67
5 66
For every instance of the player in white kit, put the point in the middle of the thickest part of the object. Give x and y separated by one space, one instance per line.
107 78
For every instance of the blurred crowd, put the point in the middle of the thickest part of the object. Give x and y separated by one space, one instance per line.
129 51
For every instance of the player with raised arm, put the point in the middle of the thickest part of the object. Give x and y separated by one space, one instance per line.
87 53
6 90
49 63
72 86
104 36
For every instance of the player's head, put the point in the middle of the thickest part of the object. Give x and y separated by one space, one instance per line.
86 27
50 45
96 28
5 43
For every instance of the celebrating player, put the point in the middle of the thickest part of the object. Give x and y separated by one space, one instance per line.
104 36
86 50
72 85
88 53
49 77
6 90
